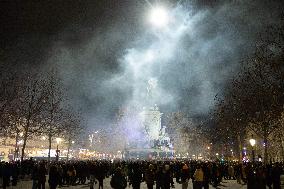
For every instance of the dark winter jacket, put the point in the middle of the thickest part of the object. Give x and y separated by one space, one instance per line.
149 176
184 175
118 181
53 176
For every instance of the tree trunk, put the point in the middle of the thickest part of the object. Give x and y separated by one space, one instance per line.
16 145
49 147
265 140
240 148
49 139
24 145
281 146
68 149
25 138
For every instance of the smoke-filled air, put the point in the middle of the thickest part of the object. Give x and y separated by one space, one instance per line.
134 65
189 58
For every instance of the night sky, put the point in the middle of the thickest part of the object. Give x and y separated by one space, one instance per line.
89 40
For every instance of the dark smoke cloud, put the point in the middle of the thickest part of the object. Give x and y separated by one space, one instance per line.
89 41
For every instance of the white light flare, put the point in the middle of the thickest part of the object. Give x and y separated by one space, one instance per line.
252 142
159 17
58 140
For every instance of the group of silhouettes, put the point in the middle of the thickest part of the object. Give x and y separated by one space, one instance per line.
156 174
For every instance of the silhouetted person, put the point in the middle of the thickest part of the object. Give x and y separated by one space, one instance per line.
54 177
41 175
276 172
150 177
118 181
6 173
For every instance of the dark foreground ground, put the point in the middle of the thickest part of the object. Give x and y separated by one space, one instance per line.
228 184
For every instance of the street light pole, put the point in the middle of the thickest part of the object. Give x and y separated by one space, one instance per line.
253 154
58 140
57 153
252 143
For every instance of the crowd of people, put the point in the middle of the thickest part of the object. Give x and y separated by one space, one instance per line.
158 174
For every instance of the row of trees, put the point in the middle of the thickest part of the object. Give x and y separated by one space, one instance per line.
254 99
35 103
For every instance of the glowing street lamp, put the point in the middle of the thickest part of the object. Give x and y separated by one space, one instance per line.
252 142
159 17
58 140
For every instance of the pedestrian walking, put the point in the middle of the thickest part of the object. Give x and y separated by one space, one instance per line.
150 177
184 176
198 178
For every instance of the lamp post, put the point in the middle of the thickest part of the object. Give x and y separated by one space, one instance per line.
208 152
252 142
58 140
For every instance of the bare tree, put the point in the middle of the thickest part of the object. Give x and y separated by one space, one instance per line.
187 136
33 97
72 129
230 124
256 94
53 115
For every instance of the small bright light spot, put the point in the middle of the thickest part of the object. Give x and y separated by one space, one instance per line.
252 142
21 134
20 142
58 140
159 17
217 154
73 142
43 138
208 147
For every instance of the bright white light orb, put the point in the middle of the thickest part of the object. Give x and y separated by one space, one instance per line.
252 142
159 17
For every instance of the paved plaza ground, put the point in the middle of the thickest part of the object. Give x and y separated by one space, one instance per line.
229 184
